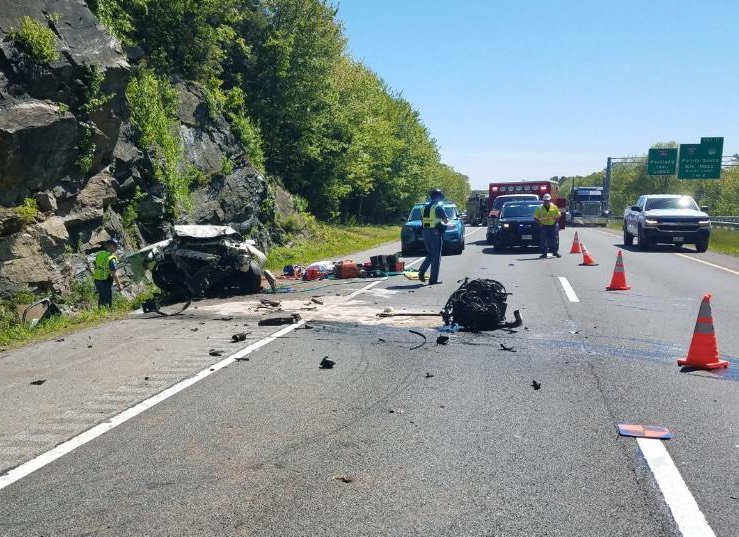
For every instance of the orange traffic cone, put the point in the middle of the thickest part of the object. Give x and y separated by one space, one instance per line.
703 352
587 259
575 245
618 281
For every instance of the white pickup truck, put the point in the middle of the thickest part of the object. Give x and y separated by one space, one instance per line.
666 219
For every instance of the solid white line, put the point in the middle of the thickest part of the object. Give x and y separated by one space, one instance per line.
83 438
709 264
685 511
569 291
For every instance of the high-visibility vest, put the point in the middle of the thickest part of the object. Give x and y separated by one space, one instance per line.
547 217
429 218
101 271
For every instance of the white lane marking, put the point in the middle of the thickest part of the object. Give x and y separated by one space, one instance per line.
685 511
81 439
569 291
709 264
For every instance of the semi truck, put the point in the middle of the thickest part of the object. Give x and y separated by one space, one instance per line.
586 206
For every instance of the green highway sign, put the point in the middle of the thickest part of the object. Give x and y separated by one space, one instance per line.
701 161
662 161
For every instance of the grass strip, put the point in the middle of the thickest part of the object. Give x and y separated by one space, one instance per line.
331 242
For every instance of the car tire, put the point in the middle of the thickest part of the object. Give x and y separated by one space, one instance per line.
701 246
643 244
166 276
628 238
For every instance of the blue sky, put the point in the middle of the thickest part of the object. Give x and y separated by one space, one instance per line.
532 89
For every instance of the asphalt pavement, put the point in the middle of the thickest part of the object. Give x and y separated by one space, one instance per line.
154 436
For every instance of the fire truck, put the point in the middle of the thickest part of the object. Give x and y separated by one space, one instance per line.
539 188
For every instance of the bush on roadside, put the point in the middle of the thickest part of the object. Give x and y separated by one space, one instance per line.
37 40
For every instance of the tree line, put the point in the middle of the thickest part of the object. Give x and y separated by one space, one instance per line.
304 109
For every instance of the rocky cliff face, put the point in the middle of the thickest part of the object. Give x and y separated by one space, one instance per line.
81 164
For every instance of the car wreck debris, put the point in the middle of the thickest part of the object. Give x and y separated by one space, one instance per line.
326 363
201 261
479 305
276 320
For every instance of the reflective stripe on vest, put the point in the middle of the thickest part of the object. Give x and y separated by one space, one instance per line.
428 217
102 265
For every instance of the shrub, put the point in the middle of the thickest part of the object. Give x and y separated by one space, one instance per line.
37 40
27 211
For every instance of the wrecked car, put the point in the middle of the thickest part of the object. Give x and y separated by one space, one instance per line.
201 261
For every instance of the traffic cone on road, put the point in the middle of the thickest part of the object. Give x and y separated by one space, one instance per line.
587 259
703 352
618 281
575 245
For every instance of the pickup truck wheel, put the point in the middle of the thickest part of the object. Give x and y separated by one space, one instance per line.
701 246
643 244
628 238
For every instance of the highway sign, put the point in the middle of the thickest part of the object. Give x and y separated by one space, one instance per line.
662 161
701 161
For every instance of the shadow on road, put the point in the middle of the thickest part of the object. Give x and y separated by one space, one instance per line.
405 287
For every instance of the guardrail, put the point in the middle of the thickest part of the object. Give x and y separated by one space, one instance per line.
731 222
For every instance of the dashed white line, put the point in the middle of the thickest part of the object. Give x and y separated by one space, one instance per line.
70 445
569 291
709 264
685 511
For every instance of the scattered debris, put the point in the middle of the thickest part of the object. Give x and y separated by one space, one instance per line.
146 378
59 340
380 340
212 369
306 327
277 320
317 300
241 336
535 385
420 344
429 375
442 340
509 349
644 431
226 318
214 352
244 359
574 331
326 363
391 411
194 329
271 303
343 478
38 382
89 342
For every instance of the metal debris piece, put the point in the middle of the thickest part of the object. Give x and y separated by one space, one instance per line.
277 320
317 300
442 340
509 349
214 352
38 382
420 344
241 336
271 303
326 363
429 375
535 385
226 318
343 478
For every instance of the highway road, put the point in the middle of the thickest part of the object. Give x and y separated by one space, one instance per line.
138 430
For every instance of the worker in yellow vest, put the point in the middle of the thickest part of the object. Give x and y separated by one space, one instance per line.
105 272
434 220
547 216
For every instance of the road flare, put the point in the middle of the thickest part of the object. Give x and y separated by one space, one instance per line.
703 352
